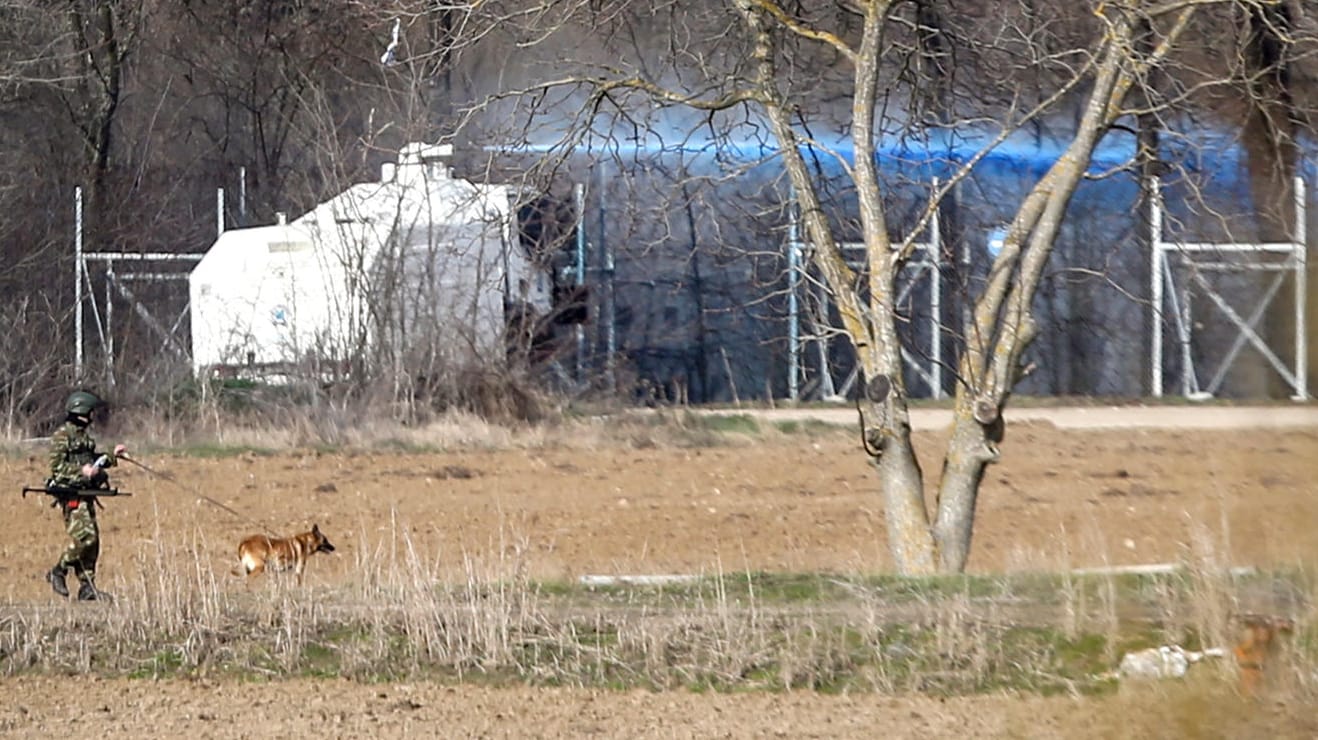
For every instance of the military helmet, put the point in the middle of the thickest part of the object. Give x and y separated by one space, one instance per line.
83 403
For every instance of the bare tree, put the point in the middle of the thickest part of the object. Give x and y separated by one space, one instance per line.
1003 323
75 55
860 68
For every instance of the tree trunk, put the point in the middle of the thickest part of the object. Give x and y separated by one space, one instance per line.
101 59
969 451
887 439
1271 156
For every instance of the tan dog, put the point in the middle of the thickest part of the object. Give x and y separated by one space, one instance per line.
1260 636
258 552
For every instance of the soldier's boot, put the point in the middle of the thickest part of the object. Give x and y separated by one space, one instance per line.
88 592
57 582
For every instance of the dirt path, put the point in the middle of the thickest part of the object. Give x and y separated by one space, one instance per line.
1084 417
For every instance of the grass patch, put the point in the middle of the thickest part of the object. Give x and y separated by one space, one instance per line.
807 427
1037 633
319 660
724 423
220 451
407 446
164 664
1133 594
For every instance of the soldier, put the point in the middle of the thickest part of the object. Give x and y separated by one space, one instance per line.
76 465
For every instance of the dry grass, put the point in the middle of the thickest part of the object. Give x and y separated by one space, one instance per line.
329 427
393 617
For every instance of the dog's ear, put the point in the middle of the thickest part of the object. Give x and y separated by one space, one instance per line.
315 529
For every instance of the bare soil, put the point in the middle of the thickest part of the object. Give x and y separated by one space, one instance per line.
1061 497
43 707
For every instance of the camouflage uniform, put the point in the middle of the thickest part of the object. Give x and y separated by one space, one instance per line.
71 447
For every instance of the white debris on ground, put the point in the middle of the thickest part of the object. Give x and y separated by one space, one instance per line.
1167 661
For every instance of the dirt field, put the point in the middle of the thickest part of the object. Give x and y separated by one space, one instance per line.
45 707
1062 496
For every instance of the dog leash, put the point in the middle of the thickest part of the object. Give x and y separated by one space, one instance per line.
198 494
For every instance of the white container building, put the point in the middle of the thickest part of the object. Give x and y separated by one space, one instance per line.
418 262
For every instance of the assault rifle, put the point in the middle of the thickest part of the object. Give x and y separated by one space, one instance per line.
64 493
51 489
